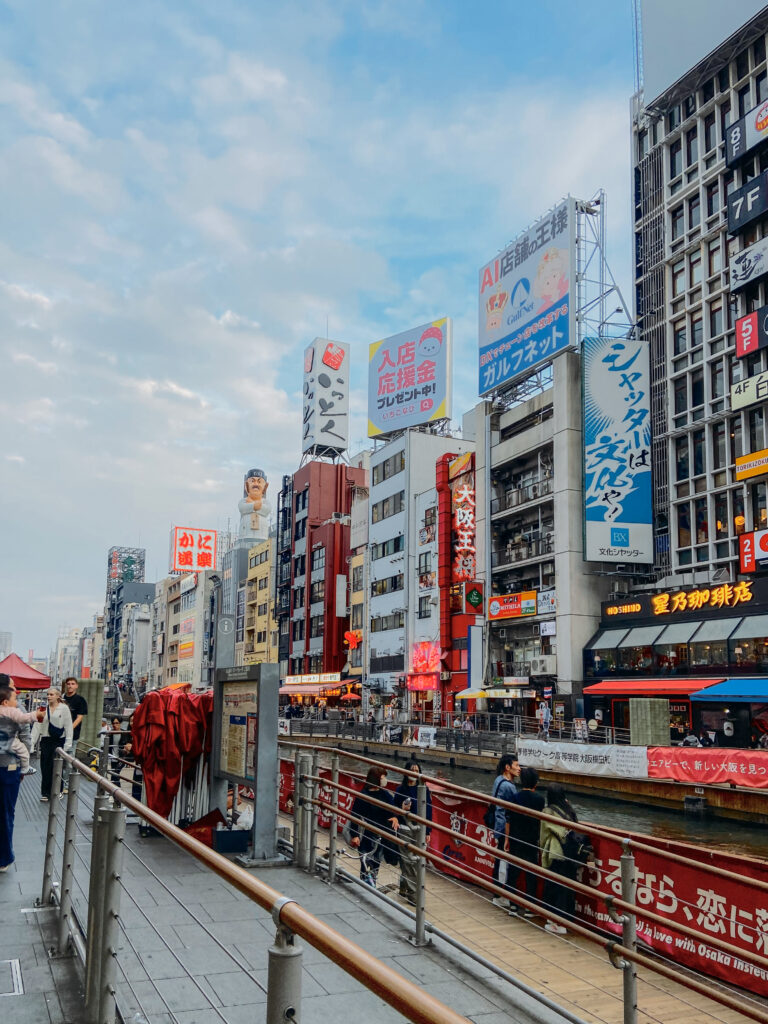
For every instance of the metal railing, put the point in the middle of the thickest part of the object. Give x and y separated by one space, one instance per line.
517 496
623 910
95 942
509 554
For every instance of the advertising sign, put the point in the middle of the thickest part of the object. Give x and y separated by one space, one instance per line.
753 551
621 762
546 602
473 598
749 391
752 332
326 397
409 378
617 451
749 265
526 311
754 464
461 473
748 132
698 603
192 549
709 766
748 203
511 606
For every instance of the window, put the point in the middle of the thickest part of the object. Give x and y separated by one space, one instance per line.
702 521
298 597
692 146
756 430
388 507
681 395
742 65
697 332
425 608
387 586
679 338
301 529
678 222
713 199
316 625
715 319
759 511
697 388
297 632
430 516
737 440
738 513
678 278
318 559
689 105
721 516
718 446
715 259
262 609
384 622
425 562
357 578
317 592
683 525
263 582
723 79
758 55
675 159
710 132
698 452
694 213
708 91
744 100
387 547
673 119
695 269
176 608
261 637
299 565
394 464
356 616
252 561
681 459
761 83
725 117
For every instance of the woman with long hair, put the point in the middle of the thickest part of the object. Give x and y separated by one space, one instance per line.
53 732
370 845
557 897
406 799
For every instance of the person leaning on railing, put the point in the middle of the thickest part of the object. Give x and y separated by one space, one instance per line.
371 846
559 898
406 799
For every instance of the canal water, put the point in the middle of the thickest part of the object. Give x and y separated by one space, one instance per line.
730 836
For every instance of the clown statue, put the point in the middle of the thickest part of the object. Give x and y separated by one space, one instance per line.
254 507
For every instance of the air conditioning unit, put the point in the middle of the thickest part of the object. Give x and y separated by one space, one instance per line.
338 516
545 665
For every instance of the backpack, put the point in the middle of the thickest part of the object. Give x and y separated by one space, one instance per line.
489 818
577 846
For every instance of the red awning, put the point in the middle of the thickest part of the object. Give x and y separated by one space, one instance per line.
649 687
25 677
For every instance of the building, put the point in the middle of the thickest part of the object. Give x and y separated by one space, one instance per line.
6 644
357 637
124 565
67 658
122 596
312 566
91 644
260 624
404 616
159 646
134 647
181 620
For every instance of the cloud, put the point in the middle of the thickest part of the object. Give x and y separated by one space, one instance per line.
43 367
16 458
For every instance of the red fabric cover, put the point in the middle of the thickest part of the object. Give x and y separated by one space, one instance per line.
25 677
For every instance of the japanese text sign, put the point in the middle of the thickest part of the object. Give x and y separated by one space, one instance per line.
618 507
409 378
752 332
749 131
325 423
753 551
526 308
511 606
192 550
724 595
749 264
754 464
749 391
461 473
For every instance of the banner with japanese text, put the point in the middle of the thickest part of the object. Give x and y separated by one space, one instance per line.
710 765
619 761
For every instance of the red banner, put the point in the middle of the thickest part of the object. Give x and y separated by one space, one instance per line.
710 765
732 911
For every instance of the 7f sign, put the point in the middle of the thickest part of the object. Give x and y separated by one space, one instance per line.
192 550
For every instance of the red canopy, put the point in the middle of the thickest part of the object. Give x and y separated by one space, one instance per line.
25 677
670 687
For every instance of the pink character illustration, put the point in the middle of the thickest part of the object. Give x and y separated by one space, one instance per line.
551 282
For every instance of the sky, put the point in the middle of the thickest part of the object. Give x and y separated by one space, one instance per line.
193 191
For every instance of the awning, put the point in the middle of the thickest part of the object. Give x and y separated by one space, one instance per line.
641 636
309 689
753 627
715 629
678 632
469 694
25 677
739 691
606 638
649 687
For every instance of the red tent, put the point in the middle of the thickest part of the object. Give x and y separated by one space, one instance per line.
25 677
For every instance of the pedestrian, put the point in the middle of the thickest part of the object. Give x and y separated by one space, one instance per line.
544 716
558 897
78 706
117 741
370 845
467 728
11 726
524 830
705 740
504 788
406 799
691 740
53 732
18 744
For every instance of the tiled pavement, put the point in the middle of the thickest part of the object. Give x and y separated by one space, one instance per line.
198 954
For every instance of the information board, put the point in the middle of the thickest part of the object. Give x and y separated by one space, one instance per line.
239 702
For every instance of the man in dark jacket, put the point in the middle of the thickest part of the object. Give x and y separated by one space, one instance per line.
370 845
524 835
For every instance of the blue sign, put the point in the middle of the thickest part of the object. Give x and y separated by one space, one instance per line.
618 505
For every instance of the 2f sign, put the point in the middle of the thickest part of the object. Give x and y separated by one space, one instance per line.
753 551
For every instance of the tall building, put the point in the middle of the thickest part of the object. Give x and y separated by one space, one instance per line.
121 597
67 659
260 623
124 565
6 644
181 617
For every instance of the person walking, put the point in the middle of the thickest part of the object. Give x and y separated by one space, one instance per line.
12 722
544 716
504 788
406 799
557 897
370 845
54 731
467 728
524 832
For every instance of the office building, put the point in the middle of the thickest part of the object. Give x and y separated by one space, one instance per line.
260 623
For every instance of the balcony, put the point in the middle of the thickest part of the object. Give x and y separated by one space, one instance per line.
387 663
518 496
250 622
249 648
512 554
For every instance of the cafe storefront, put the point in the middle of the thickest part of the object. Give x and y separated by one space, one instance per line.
673 644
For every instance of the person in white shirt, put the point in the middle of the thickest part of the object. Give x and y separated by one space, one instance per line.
53 732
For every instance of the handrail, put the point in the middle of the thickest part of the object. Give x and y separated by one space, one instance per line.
405 997
588 829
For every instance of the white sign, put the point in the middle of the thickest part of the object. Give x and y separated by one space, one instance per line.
283 727
426 736
619 761
548 628
325 426
749 391
546 602
749 264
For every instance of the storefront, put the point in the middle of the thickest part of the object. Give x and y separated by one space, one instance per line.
735 711
327 691
608 701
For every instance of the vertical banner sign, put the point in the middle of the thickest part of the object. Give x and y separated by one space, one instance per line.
192 549
325 427
461 474
526 309
409 378
617 451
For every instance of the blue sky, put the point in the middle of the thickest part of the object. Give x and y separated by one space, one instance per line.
190 190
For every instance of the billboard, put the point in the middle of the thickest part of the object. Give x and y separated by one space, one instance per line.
192 549
748 203
746 133
618 508
752 332
749 391
409 378
753 551
749 265
461 474
526 310
253 507
754 464
325 424
512 606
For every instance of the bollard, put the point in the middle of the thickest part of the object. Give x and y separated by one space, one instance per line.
629 933
332 837
419 938
93 937
284 973
296 808
50 839
313 812
68 864
104 757
114 833
302 789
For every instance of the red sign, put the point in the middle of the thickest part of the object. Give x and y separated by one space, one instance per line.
192 550
424 681
753 551
709 765
425 657
752 332
462 477
510 606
